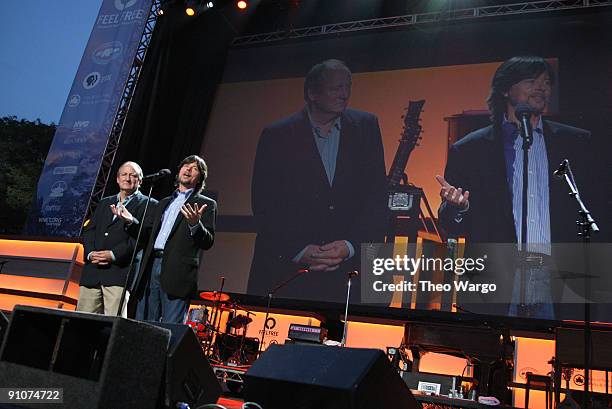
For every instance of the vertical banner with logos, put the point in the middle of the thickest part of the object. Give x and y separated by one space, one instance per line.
69 174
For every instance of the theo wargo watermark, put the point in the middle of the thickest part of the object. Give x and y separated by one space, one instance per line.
428 272
405 265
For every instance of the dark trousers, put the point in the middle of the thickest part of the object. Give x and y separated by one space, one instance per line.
156 305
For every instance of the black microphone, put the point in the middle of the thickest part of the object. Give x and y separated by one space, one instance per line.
560 172
156 176
523 113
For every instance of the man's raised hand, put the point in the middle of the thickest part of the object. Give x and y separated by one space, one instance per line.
123 213
454 196
193 213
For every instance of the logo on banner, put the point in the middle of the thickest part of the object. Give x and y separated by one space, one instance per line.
107 52
77 139
124 4
66 155
91 80
74 100
58 189
52 208
94 78
78 125
65 170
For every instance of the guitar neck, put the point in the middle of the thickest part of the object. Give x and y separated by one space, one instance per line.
399 162
409 139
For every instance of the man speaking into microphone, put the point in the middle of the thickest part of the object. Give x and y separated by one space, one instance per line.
181 226
482 187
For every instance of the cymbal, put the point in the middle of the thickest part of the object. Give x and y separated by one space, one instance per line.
240 321
214 296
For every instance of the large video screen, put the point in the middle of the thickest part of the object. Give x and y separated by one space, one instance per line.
302 160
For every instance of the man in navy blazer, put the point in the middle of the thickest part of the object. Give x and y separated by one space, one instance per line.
318 191
108 247
482 185
181 226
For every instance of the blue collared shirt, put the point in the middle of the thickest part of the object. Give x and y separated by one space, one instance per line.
538 209
327 146
169 217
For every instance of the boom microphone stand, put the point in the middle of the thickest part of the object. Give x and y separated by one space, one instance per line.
269 296
587 226
129 274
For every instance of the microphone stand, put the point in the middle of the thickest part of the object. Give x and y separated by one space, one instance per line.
526 134
348 296
269 296
129 274
215 327
587 225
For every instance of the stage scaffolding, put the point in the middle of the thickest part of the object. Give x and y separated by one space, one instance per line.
441 16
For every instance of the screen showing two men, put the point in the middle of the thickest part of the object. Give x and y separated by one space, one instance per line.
314 157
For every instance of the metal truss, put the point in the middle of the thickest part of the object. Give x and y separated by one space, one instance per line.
117 119
413 19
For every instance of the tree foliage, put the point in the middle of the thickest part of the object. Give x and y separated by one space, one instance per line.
23 149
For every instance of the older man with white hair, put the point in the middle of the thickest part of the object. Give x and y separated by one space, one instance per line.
108 247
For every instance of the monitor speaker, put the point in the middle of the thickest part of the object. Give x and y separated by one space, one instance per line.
188 378
309 377
97 361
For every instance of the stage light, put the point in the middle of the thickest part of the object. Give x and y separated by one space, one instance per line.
160 12
242 4
195 7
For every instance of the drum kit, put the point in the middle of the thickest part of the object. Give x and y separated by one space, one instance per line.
221 327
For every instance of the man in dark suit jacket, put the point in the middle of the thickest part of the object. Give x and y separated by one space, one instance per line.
181 226
108 247
318 191
482 184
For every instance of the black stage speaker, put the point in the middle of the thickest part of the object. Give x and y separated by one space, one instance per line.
99 361
315 377
188 377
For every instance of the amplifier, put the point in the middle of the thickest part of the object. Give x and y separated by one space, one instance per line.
307 333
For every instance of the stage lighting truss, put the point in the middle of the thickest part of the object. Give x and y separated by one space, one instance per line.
189 7
422 18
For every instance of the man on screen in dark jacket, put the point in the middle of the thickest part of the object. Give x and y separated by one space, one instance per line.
318 191
482 185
